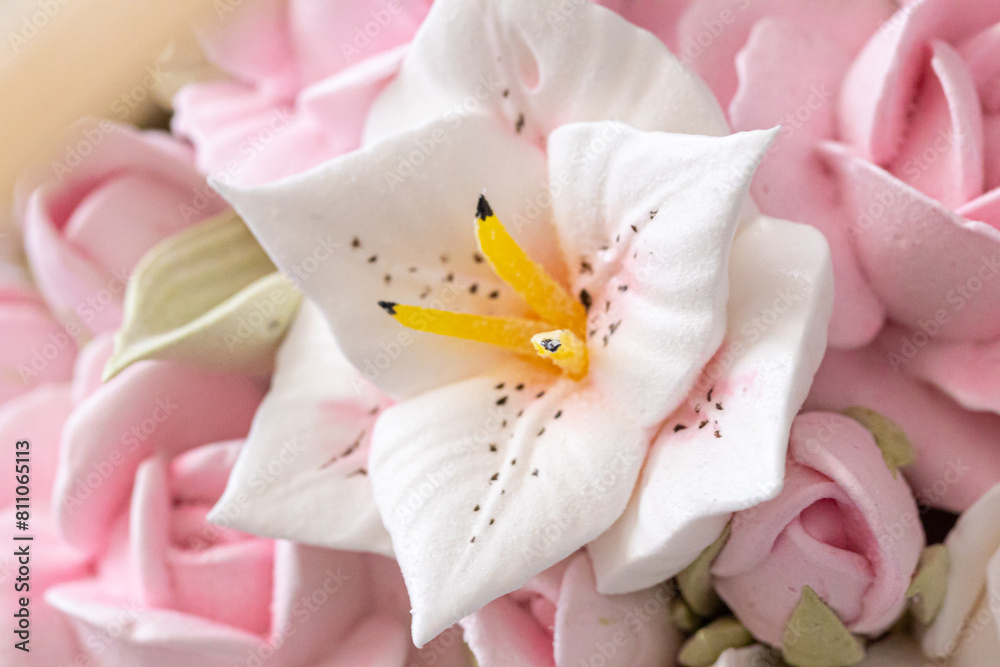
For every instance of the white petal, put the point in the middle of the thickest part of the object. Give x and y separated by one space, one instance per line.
756 655
550 62
432 465
971 544
293 479
646 222
781 297
410 202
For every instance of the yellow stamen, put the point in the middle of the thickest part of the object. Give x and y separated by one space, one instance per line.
511 333
563 348
557 339
545 296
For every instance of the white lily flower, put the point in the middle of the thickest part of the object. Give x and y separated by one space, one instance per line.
648 350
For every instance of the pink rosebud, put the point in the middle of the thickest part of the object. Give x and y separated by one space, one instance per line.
144 459
558 618
111 195
843 525
304 74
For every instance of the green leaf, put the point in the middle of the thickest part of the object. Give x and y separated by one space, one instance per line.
927 590
705 647
897 451
208 295
682 616
695 581
815 637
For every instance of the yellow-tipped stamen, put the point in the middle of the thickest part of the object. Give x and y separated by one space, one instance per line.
563 348
545 296
511 333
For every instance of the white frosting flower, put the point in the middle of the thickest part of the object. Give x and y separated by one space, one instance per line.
966 631
684 341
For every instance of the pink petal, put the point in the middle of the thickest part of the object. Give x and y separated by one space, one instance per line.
34 348
90 198
712 32
656 16
764 599
887 530
981 53
152 407
957 456
503 633
633 629
991 152
901 236
942 152
333 37
882 80
52 639
88 373
36 417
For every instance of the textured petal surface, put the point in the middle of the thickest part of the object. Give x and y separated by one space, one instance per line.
900 237
790 76
712 32
843 525
646 222
942 153
485 483
957 456
394 222
303 472
502 58
724 449
880 85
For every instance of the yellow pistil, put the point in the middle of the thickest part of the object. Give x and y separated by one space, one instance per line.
564 349
545 296
510 333
557 337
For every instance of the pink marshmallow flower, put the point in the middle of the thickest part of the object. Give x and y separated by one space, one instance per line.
303 74
890 145
143 460
843 525
114 193
558 618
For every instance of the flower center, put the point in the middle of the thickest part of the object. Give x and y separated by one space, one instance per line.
556 337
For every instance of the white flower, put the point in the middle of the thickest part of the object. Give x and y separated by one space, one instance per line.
966 631
673 405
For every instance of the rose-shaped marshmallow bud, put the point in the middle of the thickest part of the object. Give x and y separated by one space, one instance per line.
30 426
558 618
966 631
34 348
843 525
111 195
304 73
145 457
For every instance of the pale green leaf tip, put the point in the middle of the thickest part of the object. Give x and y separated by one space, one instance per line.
897 450
815 637
682 616
208 295
705 647
929 585
695 581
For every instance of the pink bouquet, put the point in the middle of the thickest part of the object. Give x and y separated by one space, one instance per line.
493 332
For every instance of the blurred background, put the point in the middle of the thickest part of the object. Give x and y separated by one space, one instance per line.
64 59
